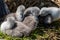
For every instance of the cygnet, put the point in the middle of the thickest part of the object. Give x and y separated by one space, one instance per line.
52 14
15 28
19 13
32 11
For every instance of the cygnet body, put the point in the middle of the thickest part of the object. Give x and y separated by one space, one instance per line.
31 22
15 28
20 30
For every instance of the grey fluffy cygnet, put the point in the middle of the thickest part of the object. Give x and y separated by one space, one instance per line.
32 11
7 27
51 13
8 24
19 13
28 25
16 28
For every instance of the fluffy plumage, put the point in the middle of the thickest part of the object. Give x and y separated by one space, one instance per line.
18 29
32 11
31 22
7 24
52 13
19 13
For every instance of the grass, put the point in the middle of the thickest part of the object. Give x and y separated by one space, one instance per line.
41 33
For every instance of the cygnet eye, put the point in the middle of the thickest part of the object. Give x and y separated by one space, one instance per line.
21 16
28 13
43 11
23 10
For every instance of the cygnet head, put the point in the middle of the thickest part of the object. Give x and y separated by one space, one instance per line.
7 24
51 13
43 11
46 13
20 8
48 10
20 12
32 11
11 19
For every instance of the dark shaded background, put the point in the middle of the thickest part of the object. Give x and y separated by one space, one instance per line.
13 4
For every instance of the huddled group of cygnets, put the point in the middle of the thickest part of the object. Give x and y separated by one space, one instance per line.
24 21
